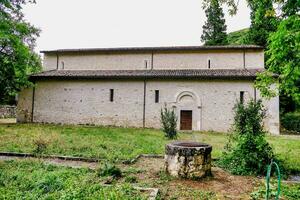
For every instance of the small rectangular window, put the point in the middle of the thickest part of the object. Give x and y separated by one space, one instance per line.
242 97
111 95
156 96
208 63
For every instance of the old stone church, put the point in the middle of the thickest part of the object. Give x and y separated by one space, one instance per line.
128 86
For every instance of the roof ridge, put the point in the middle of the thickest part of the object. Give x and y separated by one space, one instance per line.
158 48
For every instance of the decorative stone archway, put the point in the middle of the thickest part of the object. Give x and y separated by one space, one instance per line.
188 101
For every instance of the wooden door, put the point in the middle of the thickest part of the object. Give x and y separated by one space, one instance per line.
186 119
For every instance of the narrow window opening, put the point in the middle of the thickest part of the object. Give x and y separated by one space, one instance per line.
242 97
146 64
156 96
62 65
111 95
208 63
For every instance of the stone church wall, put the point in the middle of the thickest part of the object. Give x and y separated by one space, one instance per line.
88 102
219 59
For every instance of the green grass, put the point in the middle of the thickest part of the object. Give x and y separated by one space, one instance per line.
238 37
288 149
30 179
289 191
99 142
35 180
120 143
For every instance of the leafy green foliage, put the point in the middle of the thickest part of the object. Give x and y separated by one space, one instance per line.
287 104
231 4
278 31
291 121
291 191
108 169
34 180
263 22
289 7
17 40
288 191
214 29
284 60
168 120
247 151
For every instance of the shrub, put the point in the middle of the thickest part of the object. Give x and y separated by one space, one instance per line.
291 121
247 151
168 120
109 169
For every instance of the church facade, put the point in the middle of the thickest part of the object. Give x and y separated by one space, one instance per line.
129 86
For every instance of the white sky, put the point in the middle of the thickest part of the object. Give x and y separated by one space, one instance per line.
123 23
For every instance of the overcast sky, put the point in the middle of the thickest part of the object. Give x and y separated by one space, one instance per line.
123 23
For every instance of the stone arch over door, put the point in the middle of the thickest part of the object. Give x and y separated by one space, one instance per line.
188 101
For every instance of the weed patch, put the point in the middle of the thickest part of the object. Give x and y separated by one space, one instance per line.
108 169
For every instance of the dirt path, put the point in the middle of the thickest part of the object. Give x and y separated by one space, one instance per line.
58 162
223 184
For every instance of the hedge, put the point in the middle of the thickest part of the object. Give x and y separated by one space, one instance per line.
291 121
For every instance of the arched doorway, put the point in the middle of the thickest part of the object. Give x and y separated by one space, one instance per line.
188 110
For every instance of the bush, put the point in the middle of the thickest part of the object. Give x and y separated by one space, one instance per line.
109 169
168 120
291 121
247 151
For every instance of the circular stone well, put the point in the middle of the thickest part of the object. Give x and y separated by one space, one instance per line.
186 159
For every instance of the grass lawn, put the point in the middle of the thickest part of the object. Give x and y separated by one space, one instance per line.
120 143
35 180
31 179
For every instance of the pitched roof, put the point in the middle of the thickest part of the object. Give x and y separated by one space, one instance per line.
148 74
153 49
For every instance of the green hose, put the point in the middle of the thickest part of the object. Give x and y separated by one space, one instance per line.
268 180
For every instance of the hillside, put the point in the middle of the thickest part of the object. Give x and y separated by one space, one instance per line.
237 37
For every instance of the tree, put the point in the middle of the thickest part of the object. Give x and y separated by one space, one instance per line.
263 22
278 32
17 58
284 60
214 29
289 7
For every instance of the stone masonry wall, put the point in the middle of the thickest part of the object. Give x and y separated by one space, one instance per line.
7 111
87 102
219 59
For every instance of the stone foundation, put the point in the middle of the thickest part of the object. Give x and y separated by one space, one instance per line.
7 111
190 160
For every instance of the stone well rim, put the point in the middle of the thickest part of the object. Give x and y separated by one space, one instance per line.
187 148
190 144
